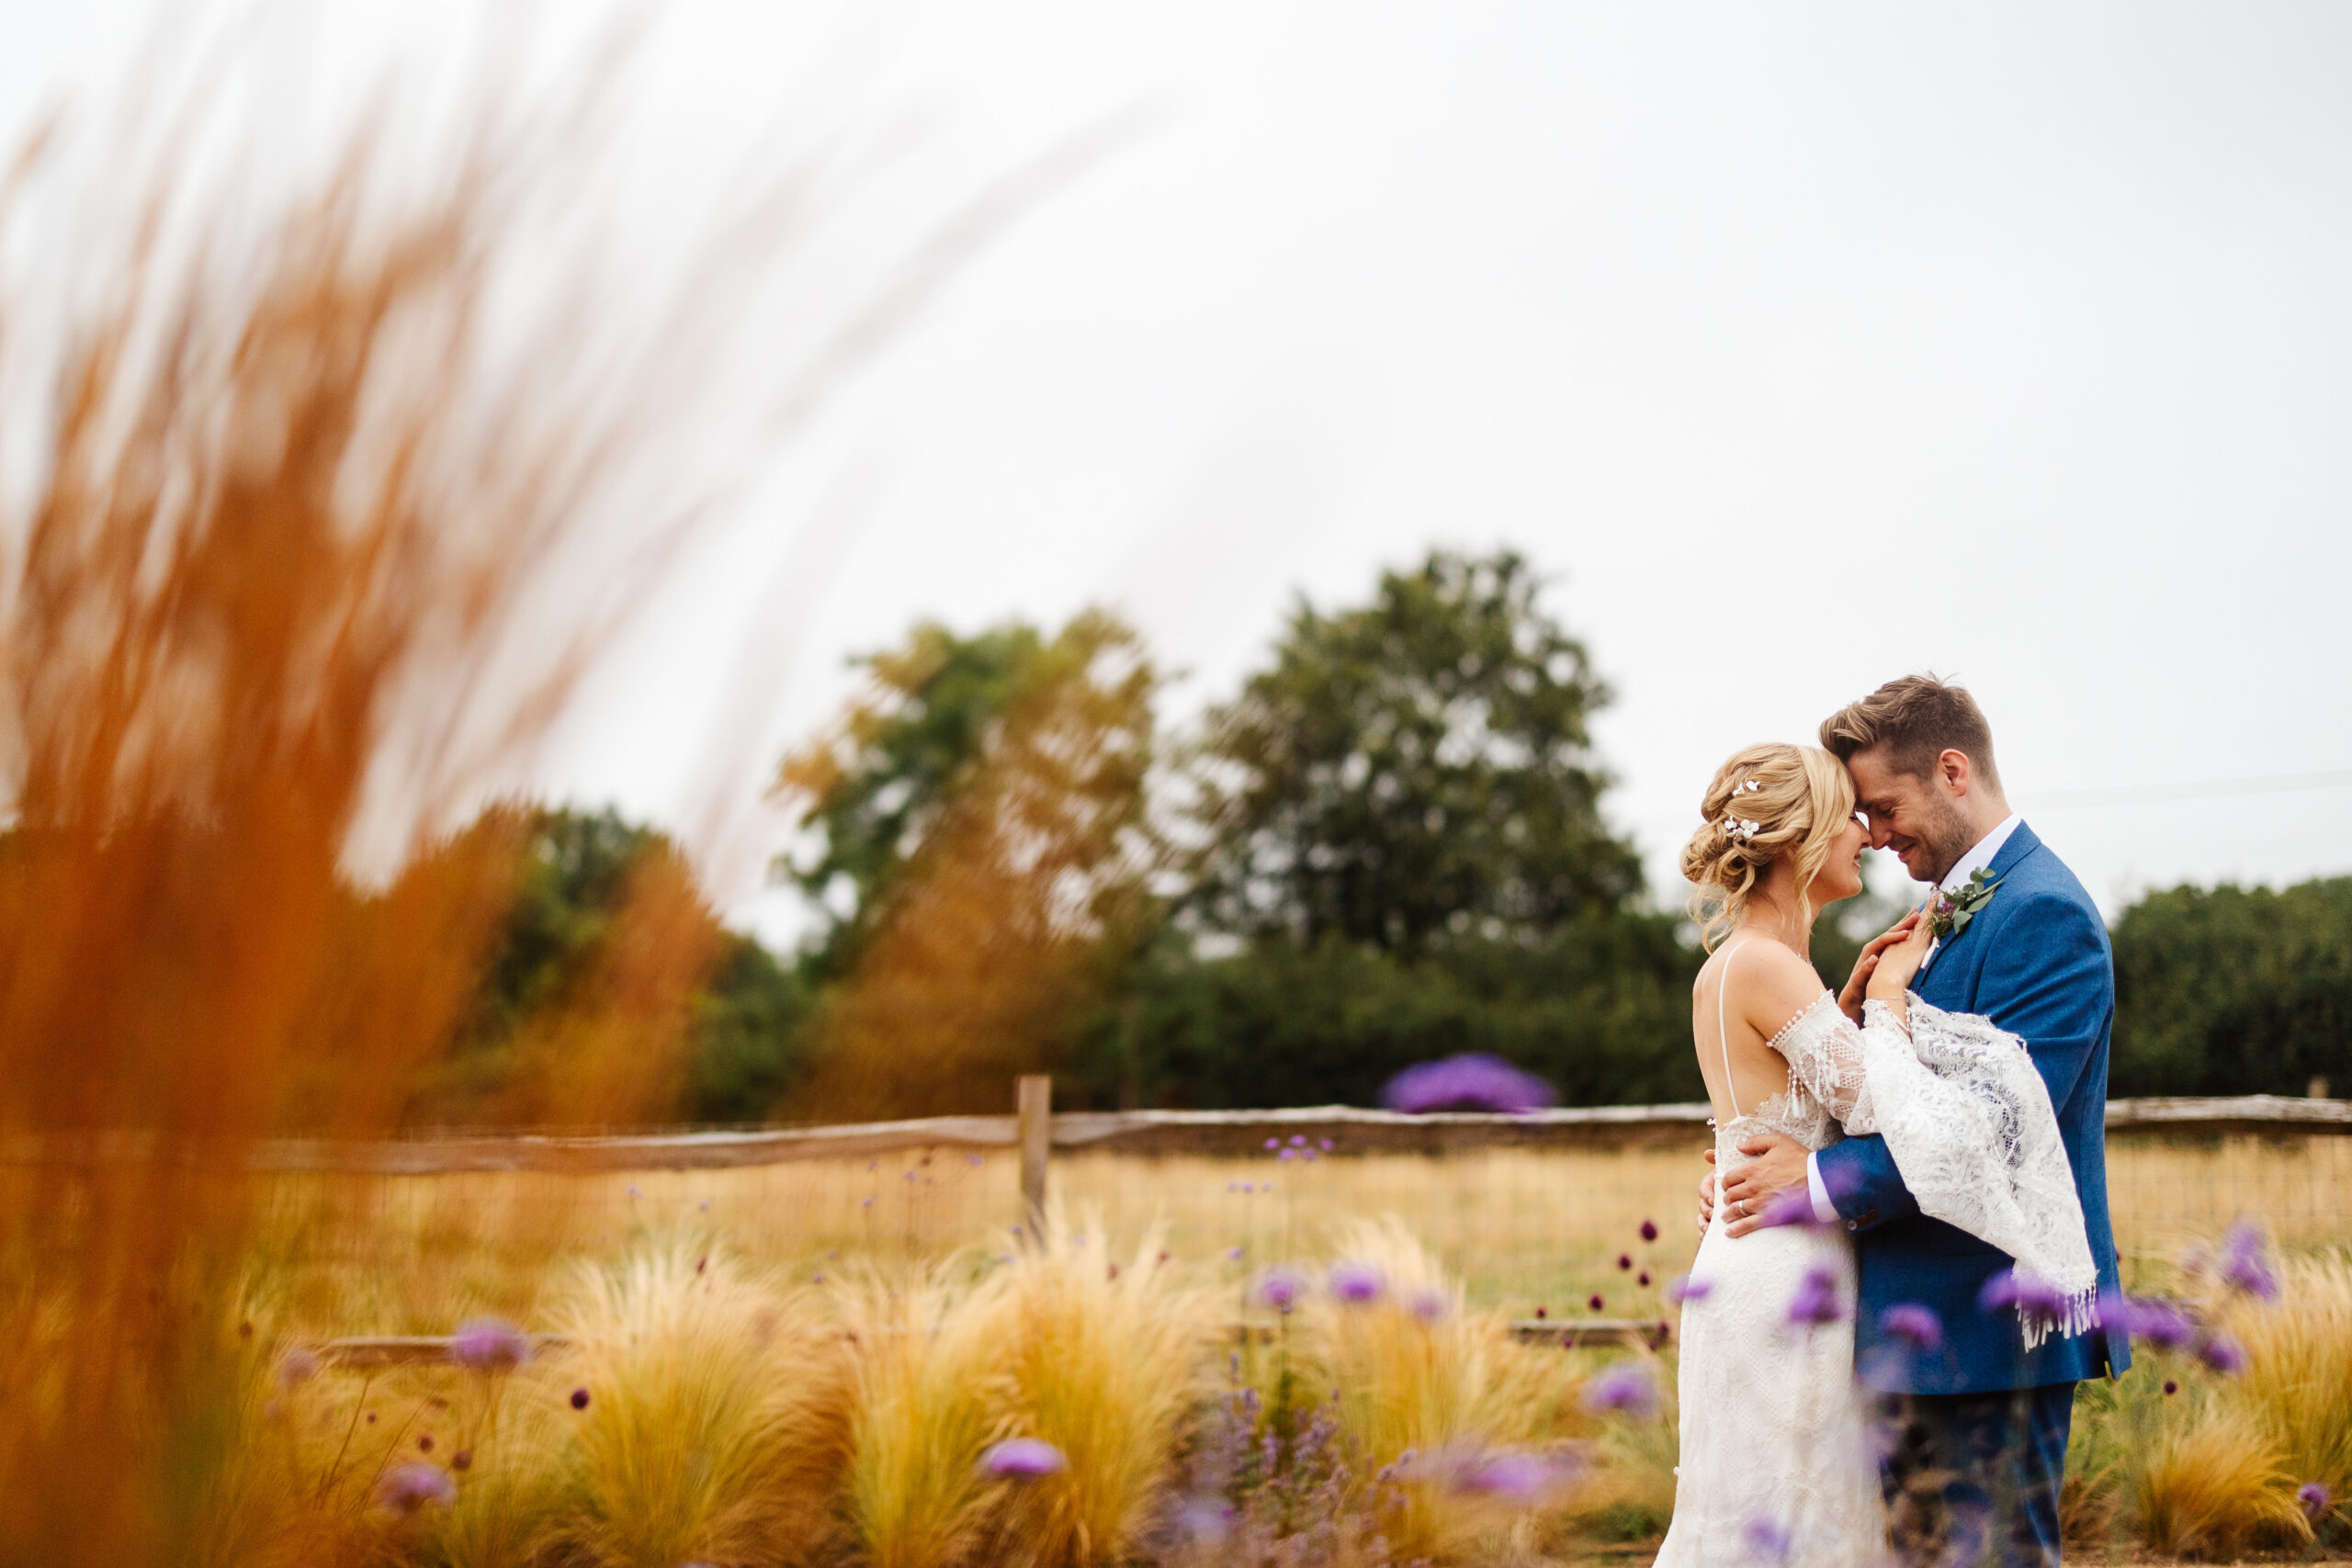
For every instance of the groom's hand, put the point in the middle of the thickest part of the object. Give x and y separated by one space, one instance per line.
1774 1165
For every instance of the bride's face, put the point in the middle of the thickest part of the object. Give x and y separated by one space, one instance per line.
1841 873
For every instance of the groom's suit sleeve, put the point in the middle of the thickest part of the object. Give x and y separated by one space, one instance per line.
2047 979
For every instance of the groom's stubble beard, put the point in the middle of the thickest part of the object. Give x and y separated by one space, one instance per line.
1948 837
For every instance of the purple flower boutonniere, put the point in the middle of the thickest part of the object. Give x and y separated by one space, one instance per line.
1950 913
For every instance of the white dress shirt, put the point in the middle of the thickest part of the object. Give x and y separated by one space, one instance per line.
1978 858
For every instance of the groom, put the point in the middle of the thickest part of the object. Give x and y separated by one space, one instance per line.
1974 1440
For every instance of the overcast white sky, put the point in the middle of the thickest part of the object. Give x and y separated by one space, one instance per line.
1803 345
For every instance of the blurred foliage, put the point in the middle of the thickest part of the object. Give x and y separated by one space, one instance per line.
2234 990
573 902
1414 770
982 837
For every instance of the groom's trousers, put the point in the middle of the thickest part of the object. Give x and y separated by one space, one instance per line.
1975 1478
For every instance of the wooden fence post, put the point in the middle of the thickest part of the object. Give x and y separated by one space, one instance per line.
1035 1099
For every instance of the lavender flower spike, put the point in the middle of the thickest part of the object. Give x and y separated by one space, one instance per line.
490 1345
1473 1082
1023 1459
408 1487
1357 1283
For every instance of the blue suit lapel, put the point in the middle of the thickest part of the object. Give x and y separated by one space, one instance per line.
1943 975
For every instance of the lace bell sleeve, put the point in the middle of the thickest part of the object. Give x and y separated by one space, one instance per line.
1826 1053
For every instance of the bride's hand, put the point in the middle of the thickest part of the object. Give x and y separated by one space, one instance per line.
1898 965
1850 1000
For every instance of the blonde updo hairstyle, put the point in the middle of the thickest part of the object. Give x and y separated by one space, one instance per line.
1767 803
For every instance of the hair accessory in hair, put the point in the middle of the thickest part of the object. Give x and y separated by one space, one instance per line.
1741 828
1749 787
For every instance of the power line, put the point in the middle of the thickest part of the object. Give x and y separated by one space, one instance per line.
2141 795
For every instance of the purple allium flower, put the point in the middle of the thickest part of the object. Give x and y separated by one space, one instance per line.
1522 1477
2245 1263
405 1488
2314 1498
1815 1301
1541 1314
1023 1459
1356 1283
1274 1142
1286 1154
1684 1288
463 1460
1643 1279
580 1399
1767 1540
2171 1388
2223 1354
1915 1325
1280 1288
1649 1230
1298 1140
1594 1301
1473 1082
1625 1261
1235 1254
1627 1386
1428 1304
297 1367
490 1345
425 1444
1323 1143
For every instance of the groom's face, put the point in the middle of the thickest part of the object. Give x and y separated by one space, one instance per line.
1918 819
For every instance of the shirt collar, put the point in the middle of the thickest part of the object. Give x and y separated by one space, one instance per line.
1980 854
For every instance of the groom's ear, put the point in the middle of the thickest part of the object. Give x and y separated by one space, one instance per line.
1954 770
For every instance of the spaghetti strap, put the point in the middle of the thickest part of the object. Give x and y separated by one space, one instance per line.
1723 1035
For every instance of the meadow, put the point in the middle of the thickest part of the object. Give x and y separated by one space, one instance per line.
812 1363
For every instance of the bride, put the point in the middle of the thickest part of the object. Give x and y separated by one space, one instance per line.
1777 1462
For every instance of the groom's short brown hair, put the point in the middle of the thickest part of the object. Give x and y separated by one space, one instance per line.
1917 718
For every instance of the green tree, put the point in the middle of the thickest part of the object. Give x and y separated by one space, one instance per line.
1410 773
2233 990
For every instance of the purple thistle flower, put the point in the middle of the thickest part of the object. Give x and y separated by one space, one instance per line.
490 1345
1286 1154
405 1488
1323 1143
2223 1354
1280 1288
1235 1254
1627 1386
1473 1082
1914 1325
1522 1478
2245 1263
1428 1304
298 1365
1356 1283
1274 1142
1790 1206
1298 1140
1649 1230
2314 1498
1023 1459
1684 1288
1815 1301
1768 1540
2014 1287
2159 1323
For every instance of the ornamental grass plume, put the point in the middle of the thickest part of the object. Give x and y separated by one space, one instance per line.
1102 1366
925 1381
1452 1382
2297 1384
722 1415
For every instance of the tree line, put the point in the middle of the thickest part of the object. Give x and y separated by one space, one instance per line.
1387 846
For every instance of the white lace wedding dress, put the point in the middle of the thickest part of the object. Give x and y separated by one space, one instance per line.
1776 1464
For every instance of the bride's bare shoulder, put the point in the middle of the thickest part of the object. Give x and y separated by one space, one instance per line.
1772 985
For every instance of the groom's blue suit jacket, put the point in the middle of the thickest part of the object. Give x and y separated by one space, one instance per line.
2035 961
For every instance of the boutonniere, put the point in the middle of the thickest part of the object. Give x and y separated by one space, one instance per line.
1949 915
